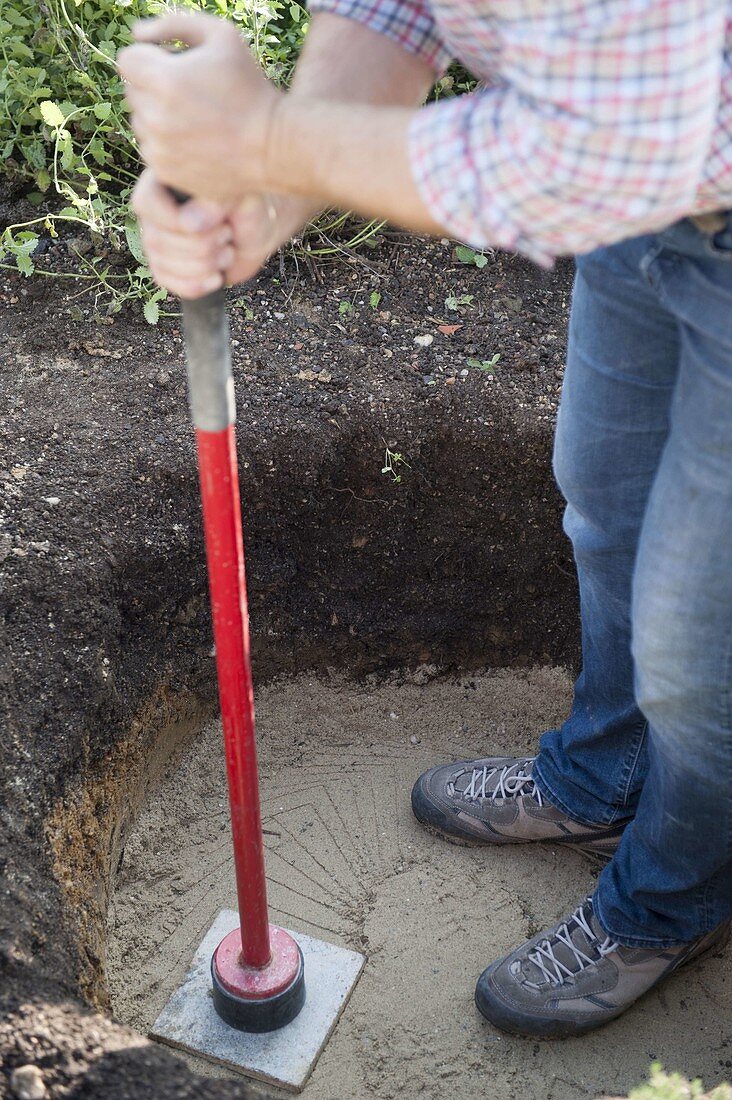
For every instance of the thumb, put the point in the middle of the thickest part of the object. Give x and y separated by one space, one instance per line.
194 30
141 65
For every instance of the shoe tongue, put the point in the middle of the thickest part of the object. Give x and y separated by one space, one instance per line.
530 972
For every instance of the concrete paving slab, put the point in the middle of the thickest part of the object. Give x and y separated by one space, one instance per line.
285 1057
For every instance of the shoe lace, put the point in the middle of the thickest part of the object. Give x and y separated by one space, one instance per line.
553 970
507 785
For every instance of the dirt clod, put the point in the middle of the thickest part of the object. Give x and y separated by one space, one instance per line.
26 1083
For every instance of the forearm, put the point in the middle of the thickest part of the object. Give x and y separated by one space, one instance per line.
352 156
346 62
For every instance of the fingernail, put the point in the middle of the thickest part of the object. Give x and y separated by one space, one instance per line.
226 258
212 283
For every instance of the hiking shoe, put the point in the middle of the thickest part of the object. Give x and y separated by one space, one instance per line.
574 977
495 801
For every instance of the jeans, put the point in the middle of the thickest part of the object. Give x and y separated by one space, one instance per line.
643 457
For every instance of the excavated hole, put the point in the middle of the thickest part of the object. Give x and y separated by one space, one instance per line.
347 863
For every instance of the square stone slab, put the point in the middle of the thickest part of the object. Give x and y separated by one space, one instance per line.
285 1057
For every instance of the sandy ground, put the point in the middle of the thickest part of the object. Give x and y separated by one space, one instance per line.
347 862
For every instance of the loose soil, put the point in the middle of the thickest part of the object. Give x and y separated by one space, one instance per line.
348 863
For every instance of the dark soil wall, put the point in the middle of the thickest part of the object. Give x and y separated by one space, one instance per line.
105 637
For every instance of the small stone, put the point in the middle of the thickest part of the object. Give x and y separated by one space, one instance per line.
424 341
324 376
26 1083
53 501
414 740
163 378
464 373
279 316
423 674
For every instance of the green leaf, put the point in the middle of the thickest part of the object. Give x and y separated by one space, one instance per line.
52 114
151 309
24 262
43 180
469 256
134 243
374 299
465 254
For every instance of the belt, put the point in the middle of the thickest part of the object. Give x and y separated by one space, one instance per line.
713 222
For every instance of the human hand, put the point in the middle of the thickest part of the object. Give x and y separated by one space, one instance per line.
202 116
198 247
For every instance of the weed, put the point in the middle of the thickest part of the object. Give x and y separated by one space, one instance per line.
374 299
458 303
672 1086
487 365
393 463
470 256
64 128
345 308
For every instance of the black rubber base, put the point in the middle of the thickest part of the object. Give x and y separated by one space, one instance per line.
267 1014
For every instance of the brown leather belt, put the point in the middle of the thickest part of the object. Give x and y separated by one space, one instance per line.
711 223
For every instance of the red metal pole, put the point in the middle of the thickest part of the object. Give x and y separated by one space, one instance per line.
225 554
257 970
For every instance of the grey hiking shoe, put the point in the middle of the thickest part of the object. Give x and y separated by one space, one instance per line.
574 977
495 801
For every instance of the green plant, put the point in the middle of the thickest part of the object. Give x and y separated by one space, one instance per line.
64 128
345 308
487 365
374 299
468 255
456 81
393 462
672 1086
459 302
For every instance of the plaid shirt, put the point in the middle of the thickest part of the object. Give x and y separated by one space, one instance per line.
597 120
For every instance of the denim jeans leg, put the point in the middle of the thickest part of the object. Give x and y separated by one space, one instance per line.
613 422
671 878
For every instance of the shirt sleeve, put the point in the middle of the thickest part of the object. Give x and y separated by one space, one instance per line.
596 128
408 22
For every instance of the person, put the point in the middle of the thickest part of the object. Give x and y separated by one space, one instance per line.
603 129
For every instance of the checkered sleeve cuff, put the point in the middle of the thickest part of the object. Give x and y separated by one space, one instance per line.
407 22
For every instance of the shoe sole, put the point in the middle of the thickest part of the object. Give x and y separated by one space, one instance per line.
536 1029
464 842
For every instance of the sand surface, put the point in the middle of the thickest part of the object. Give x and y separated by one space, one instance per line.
347 863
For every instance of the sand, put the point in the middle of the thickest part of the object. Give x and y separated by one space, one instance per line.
348 863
